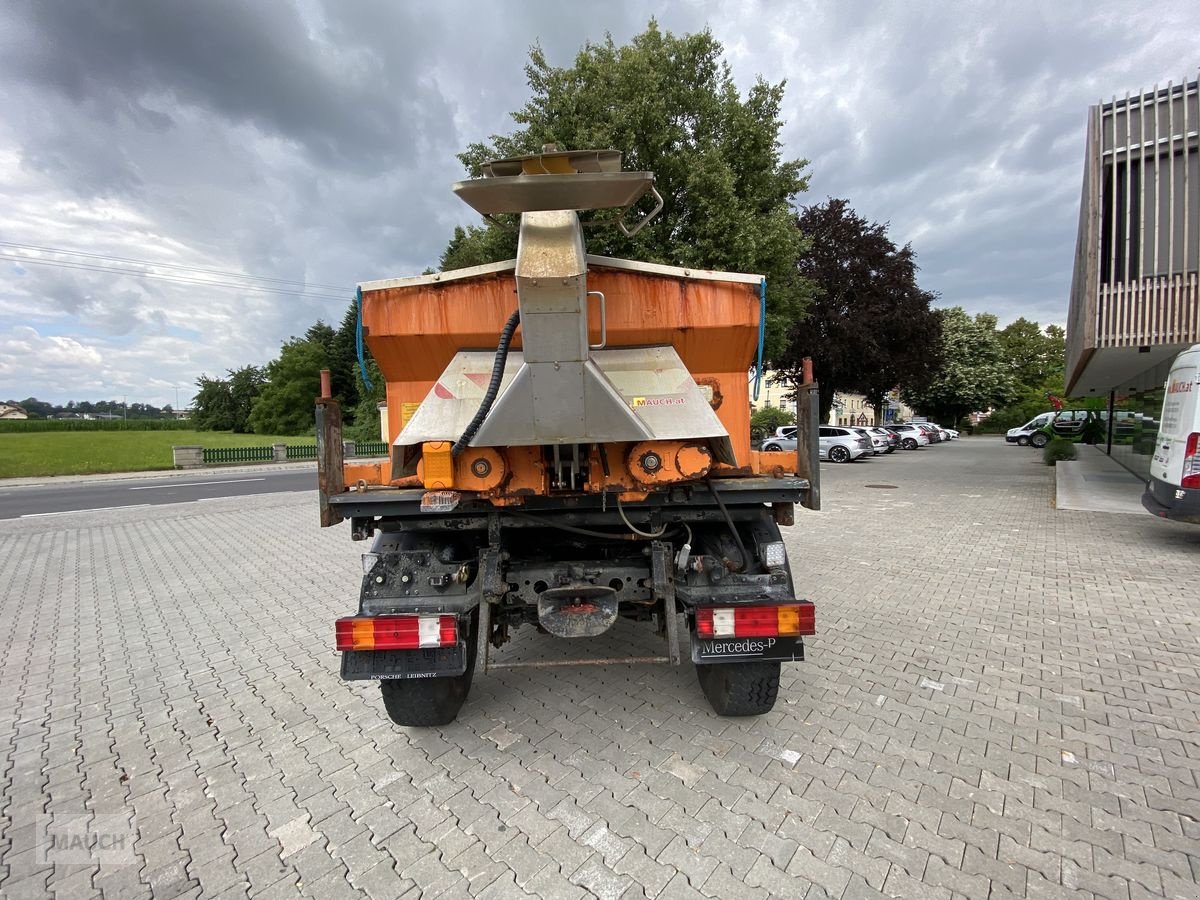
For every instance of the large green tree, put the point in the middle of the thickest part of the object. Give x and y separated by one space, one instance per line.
1034 355
245 384
870 327
974 374
285 404
670 104
212 407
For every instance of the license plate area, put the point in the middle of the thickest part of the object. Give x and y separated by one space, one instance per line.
385 665
746 649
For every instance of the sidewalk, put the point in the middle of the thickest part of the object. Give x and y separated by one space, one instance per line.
1096 483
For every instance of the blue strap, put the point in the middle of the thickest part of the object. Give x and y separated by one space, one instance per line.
762 335
358 341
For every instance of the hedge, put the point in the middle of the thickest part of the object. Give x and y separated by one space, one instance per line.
22 426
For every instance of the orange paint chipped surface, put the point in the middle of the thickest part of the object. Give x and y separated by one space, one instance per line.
414 332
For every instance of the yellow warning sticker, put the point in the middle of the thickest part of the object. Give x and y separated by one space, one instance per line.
407 410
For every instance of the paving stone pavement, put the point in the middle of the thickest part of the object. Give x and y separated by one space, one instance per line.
1002 702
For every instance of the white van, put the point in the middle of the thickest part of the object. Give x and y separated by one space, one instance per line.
1173 491
1021 435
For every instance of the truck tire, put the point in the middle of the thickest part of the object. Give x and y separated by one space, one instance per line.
429 702
1039 440
740 689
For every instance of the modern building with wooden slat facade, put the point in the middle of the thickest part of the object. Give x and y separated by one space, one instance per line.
1135 294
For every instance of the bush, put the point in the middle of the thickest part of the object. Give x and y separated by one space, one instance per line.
25 426
1058 450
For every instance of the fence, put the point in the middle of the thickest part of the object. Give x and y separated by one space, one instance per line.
245 454
187 457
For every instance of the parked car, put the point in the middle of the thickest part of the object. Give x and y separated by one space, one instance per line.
934 435
1020 435
1074 425
879 445
784 438
840 444
911 436
892 439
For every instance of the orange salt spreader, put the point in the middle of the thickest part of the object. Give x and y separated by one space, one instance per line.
570 446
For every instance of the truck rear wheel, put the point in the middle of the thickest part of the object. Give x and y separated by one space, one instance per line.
426 702
740 689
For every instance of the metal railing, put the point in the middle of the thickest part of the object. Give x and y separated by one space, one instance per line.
301 451
370 448
1155 310
239 454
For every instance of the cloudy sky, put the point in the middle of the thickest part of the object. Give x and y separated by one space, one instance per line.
314 142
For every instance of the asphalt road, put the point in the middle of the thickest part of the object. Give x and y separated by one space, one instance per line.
34 501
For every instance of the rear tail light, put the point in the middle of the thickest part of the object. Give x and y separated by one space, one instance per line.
395 632
756 621
1191 462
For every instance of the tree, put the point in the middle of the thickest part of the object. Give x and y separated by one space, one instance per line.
365 425
212 407
245 384
343 363
285 404
974 374
671 105
1033 356
1036 357
870 327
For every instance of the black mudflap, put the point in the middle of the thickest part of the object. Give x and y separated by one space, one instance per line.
385 665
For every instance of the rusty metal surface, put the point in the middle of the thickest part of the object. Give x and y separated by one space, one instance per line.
808 448
330 473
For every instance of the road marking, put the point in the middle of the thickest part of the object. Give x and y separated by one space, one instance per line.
155 487
68 512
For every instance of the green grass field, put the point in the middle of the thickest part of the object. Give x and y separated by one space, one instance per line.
94 452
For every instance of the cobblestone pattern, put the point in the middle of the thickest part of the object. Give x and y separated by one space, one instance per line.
1002 702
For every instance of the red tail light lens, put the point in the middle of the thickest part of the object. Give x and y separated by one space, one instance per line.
1191 462
395 632
756 621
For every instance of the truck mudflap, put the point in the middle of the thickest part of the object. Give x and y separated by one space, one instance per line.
387 665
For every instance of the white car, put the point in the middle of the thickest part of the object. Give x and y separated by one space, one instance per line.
784 438
879 444
1020 435
836 444
839 444
911 436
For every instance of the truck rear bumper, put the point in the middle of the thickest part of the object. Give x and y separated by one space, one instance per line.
1170 502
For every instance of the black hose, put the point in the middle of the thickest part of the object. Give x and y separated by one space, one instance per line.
732 527
573 529
493 388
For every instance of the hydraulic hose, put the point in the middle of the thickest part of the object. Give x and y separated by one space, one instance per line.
493 388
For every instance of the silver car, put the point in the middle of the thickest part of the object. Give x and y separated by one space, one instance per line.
840 444
911 436
836 443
